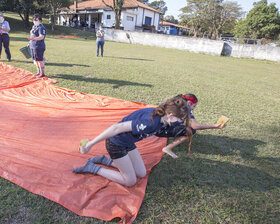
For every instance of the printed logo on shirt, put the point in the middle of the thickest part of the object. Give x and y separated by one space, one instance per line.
140 127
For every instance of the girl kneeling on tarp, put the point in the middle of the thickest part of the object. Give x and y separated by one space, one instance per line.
121 138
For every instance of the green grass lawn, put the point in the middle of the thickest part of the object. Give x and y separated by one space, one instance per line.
233 174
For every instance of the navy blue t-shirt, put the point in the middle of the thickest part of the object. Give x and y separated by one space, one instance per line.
35 32
142 127
176 129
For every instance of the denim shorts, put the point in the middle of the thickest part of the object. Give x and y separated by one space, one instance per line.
116 151
37 54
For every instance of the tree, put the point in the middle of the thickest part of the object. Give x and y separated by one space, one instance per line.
193 16
24 7
52 6
8 5
171 19
226 15
210 17
160 6
263 21
117 8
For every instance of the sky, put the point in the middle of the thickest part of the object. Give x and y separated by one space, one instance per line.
175 5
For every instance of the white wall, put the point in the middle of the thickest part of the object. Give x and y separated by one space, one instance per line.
165 29
168 41
254 51
128 24
108 22
198 45
157 18
137 15
141 18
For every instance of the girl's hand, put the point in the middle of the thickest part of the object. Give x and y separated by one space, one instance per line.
169 152
83 146
220 126
84 149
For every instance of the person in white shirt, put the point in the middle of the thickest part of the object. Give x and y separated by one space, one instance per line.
4 36
100 41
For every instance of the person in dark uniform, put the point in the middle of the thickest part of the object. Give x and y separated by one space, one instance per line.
37 45
178 131
4 36
121 139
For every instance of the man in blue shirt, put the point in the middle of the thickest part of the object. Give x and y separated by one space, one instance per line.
4 36
37 44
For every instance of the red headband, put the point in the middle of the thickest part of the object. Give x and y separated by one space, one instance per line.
189 98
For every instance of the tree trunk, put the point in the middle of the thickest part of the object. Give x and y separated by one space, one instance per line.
118 19
53 18
52 22
26 18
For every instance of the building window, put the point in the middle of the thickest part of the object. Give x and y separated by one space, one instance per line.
108 16
129 18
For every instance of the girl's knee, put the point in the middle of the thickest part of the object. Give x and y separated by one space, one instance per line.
141 173
130 182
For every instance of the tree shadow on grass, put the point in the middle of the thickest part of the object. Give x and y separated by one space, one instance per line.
115 82
52 63
203 172
137 59
24 39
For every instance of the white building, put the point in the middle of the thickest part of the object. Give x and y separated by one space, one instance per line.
135 15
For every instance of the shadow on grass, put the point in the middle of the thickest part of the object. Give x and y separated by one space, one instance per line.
226 146
115 82
24 39
52 64
206 173
218 174
137 59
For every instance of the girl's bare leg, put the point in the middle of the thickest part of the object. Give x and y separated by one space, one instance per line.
126 175
137 162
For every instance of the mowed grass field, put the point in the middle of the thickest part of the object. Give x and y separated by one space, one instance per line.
232 175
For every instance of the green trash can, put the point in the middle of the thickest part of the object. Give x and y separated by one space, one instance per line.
26 52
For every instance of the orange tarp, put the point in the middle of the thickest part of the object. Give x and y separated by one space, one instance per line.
40 129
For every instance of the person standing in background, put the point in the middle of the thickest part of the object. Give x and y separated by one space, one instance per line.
100 40
4 36
37 45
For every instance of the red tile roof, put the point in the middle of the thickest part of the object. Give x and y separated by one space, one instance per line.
98 4
165 23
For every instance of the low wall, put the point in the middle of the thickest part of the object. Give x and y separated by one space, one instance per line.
252 51
197 45
167 41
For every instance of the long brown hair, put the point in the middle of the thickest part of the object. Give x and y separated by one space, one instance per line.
178 107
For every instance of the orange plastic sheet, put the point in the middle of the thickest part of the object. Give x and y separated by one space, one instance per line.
40 129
